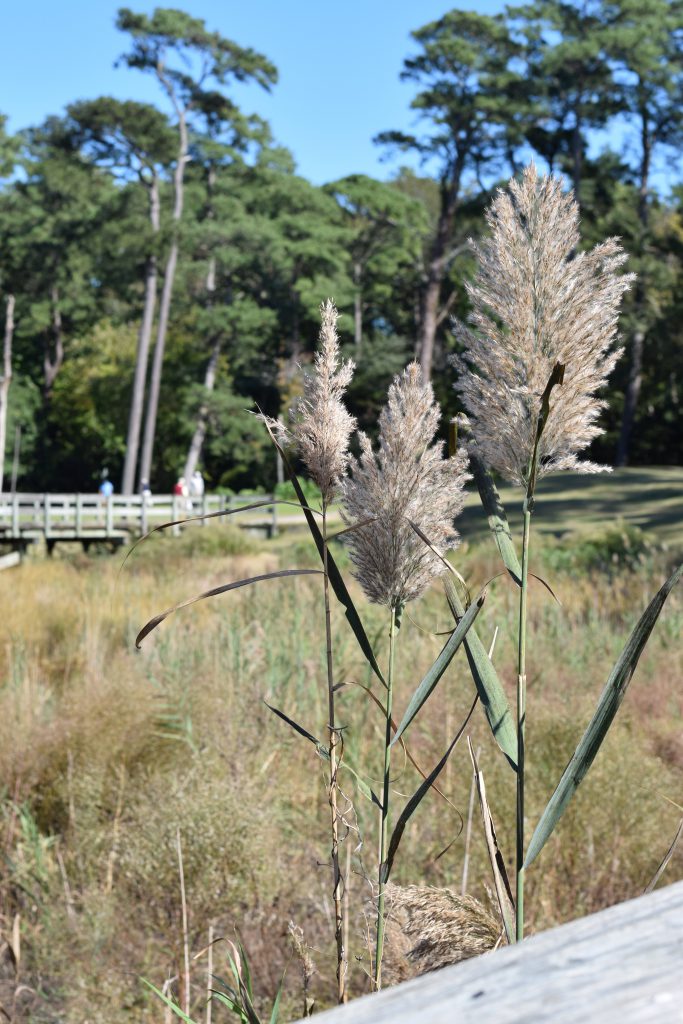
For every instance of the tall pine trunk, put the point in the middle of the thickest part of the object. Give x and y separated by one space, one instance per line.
357 303
438 264
194 452
197 443
142 355
577 156
635 375
428 325
5 381
54 346
165 306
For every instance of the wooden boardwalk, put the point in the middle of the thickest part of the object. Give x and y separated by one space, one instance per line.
90 518
621 966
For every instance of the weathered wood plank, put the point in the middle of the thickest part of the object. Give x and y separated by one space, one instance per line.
621 966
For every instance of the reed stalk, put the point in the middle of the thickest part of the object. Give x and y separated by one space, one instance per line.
384 813
521 720
337 893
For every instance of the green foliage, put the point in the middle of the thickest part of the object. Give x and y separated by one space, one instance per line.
77 237
309 489
219 540
610 550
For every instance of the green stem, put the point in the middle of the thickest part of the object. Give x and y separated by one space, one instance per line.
337 894
384 816
521 718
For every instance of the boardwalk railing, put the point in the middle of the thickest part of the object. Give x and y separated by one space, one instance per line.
25 518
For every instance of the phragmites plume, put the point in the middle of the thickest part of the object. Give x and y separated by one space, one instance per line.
430 928
536 302
320 425
408 479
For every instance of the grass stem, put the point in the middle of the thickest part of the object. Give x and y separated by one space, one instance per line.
384 815
337 892
521 721
186 941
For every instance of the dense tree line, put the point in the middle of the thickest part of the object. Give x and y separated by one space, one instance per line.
162 267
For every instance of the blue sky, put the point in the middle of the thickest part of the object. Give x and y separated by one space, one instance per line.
339 65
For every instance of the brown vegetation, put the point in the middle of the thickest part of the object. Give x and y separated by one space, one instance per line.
105 751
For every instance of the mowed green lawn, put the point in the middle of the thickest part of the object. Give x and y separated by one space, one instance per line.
651 499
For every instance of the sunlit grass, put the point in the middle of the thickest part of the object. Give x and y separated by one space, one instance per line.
105 750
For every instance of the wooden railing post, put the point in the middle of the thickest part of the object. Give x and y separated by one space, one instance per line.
46 515
174 514
79 515
109 524
144 525
273 518
15 516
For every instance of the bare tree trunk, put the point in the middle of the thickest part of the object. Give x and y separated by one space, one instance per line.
52 362
577 157
165 306
357 304
5 381
635 376
197 442
438 263
430 307
142 355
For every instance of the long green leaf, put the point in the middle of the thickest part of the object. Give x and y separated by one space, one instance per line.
275 1012
420 771
320 747
556 378
335 577
608 705
366 790
497 861
486 680
238 957
495 514
169 1002
215 591
444 659
210 515
489 686
417 798
650 887
232 1003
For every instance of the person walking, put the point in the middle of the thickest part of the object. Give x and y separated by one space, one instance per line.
105 490
197 485
182 490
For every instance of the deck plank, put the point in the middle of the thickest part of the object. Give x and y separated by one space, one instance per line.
620 966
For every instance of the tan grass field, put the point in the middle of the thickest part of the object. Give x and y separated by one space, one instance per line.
105 751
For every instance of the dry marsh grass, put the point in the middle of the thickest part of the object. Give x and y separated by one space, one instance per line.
104 751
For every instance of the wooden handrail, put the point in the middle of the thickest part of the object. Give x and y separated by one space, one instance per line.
93 516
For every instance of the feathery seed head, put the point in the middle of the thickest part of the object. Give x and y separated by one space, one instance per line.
537 302
407 479
430 928
320 426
